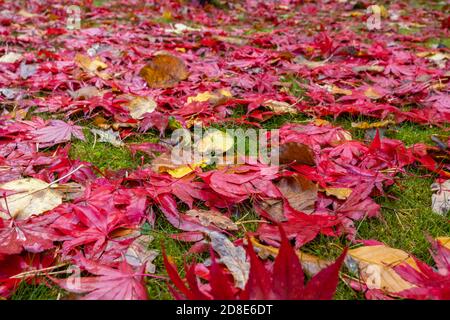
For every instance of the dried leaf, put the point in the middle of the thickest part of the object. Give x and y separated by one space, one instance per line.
375 266
108 136
280 106
297 153
216 141
164 71
208 217
30 197
340 193
233 257
440 200
139 106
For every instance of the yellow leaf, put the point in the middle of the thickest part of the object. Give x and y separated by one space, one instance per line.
88 64
167 15
340 193
337 90
320 122
140 106
217 141
164 71
372 93
212 97
30 197
444 241
366 125
375 265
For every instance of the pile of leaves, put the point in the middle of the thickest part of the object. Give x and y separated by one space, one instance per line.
136 68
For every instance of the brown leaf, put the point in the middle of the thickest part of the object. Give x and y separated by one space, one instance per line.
208 217
375 266
300 193
298 153
164 71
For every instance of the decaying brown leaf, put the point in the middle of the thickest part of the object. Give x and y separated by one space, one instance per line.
298 153
375 266
139 106
299 192
234 257
280 106
164 71
207 217
27 197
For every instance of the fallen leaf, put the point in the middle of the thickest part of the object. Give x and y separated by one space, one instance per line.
31 197
297 153
340 193
375 266
232 256
139 106
215 141
372 93
164 71
440 200
444 241
300 192
11 57
88 64
208 217
163 163
108 136
280 106
214 98
378 124
138 253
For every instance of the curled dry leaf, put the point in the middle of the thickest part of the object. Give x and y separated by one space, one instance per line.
208 217
233 257
164 71
24 198
375 267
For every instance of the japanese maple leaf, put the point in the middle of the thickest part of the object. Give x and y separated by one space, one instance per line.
92 227
11 265
285 280
33 235
57 131
429 283
109 283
